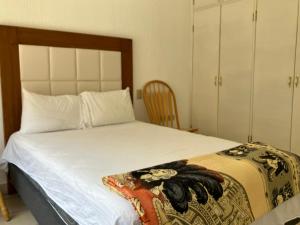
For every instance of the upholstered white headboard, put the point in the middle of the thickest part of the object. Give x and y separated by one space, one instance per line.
55 62
56 70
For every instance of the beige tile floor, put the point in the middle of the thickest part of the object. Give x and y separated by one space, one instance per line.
20 215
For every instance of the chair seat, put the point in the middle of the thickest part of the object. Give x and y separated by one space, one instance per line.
192 130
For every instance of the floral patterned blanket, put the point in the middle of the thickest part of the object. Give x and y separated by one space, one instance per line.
235 186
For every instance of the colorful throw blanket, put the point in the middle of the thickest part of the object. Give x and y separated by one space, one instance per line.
235 186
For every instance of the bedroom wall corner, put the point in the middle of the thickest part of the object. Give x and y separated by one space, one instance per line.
161 33
1 126
2 167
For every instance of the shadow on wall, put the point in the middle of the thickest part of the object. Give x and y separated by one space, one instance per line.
1 124
2 166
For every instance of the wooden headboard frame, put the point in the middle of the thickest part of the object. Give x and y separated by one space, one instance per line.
11 37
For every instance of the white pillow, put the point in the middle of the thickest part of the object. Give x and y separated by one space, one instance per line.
42 113
110 107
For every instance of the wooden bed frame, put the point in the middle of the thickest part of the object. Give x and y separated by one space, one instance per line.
10 39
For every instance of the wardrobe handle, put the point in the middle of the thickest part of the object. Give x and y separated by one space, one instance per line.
297 81
290 81
220 81
216 80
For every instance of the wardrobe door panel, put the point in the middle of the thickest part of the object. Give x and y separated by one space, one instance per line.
205 69
236 69
296 109
296 115
205 3
275 55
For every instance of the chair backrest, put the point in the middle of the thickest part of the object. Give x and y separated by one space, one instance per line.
160 103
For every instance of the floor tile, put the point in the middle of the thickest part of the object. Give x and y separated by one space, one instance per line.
20 215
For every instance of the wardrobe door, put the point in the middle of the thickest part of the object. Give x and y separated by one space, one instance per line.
296 109
236 69
205 69
274 68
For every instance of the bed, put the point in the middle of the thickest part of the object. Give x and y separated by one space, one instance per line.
62 185
70 177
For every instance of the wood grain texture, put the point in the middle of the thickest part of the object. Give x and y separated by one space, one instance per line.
3 208
160 102
11 37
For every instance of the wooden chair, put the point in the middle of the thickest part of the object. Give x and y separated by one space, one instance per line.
160 103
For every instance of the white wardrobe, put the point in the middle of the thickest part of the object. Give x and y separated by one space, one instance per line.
245 74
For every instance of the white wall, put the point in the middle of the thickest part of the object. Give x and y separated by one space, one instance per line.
161 31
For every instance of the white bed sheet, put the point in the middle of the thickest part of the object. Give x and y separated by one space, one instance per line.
69 165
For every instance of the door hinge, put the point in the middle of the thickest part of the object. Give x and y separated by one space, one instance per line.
254 17
250 139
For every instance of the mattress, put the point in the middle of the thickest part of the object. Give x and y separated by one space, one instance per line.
69 165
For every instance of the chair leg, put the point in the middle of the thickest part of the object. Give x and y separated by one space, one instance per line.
3 208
